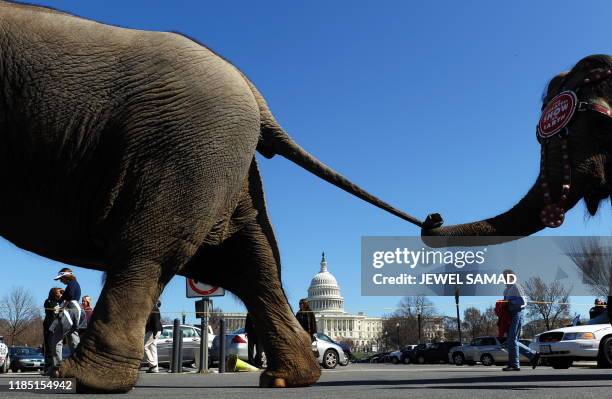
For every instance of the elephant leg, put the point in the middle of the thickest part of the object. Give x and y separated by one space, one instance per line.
254 277
110 353
248 264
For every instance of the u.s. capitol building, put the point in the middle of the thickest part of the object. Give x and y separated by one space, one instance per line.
325 300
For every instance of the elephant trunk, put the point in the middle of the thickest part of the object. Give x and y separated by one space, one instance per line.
522 219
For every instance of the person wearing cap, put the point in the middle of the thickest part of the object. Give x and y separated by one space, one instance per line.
71 317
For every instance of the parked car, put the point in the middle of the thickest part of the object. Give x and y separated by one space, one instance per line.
562 346
436 353
330 353
191 343
5 359
26 358
395 356
487 350
236 343
348 354
408 353
373 358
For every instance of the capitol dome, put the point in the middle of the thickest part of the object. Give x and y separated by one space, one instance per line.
324 292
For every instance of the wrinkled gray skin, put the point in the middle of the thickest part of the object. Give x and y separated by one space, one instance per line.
132 152
590 143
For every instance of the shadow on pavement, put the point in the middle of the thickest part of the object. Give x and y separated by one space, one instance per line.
463 381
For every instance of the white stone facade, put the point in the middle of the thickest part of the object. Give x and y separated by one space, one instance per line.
325 300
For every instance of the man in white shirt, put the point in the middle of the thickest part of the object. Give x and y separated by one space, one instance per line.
515 297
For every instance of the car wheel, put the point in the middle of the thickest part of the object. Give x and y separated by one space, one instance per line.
604 356
459 359
330 359
406 360
561 363
487 360
394 360
421 359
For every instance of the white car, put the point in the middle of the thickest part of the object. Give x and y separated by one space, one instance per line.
562 346
5 360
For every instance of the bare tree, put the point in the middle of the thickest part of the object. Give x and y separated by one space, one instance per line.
472 322
477 323
411 306
19 311
548 302
451 332
593 259
407 316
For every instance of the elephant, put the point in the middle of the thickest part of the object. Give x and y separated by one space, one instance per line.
575 162
575 159
133 153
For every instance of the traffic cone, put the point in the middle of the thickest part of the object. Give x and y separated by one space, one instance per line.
235 364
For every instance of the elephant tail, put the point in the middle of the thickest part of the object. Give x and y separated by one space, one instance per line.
274 140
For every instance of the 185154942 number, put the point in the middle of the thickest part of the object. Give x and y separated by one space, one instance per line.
60 384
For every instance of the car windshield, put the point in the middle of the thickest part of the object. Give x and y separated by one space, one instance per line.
24 351
600 319
324 337
238 331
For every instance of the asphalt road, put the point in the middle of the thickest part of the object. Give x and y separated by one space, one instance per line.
373 381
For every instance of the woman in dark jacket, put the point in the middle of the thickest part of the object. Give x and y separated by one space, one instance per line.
306 318
53 356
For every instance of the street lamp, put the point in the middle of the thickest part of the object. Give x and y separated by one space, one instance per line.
398 337
458 316
419 325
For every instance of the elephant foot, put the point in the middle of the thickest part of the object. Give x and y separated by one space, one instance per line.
289 378
96 375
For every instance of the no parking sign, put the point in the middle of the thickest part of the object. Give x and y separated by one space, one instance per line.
196 289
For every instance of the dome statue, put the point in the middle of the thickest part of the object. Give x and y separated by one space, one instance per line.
324 292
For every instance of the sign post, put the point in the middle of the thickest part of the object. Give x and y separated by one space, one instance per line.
204 341
196 289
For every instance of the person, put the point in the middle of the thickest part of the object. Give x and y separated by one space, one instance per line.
153 330
52 354
254 345
306 318
599 308
71 317
86 305
515 298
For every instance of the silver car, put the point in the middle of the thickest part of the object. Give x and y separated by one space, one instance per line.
330 353
191 342
236 343
486 350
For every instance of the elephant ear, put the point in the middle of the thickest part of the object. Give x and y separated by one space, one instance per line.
554 87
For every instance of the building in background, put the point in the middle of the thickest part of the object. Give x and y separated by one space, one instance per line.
327 303
325 300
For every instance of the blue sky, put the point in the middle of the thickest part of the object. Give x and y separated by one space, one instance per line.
432 106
